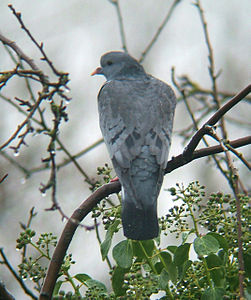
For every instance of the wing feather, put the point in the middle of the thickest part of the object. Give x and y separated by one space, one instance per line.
134 113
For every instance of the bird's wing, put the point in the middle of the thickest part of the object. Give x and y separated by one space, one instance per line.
134 113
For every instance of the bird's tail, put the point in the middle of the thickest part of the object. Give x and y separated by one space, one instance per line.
139 207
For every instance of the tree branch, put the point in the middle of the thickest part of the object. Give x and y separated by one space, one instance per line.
213 120
68 232
104 191
158 32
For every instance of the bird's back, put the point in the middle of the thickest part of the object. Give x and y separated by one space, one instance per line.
136 117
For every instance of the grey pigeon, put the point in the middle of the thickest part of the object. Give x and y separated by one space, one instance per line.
136 118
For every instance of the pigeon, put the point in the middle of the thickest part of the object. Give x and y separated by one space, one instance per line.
136 114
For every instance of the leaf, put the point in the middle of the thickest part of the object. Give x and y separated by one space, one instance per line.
181 254
148 246
222 241
183 269
118 281
213 294
214 263
91 283
173 272
57 287
163 279
82 277
206 245
172 249
122 253
106 244
169 266
247 263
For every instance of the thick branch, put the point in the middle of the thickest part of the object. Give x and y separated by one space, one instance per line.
104 191
4 293
69 230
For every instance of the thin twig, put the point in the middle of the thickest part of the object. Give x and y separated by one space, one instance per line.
158 32
68 160
3 178
214 119
40 46
18 278
41 97
184 97
121 24
239 155
179 160
19 52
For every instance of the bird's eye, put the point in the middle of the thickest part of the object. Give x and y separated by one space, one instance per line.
109 62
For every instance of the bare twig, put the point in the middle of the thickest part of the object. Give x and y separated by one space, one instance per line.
18 278
40 46
158 32
121 24
20 127
179 160
239 155
3 178
213 120
69 160
19 52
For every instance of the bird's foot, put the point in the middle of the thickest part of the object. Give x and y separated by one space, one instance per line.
114 179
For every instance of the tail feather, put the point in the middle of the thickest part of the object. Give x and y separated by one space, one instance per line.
139 223
141 183
139 207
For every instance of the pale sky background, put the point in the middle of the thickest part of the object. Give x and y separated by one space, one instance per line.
75 34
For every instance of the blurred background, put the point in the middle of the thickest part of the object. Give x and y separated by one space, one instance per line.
75 34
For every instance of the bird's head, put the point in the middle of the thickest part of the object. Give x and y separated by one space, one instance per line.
116 65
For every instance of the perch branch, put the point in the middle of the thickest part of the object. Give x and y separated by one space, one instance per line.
69 230
104 191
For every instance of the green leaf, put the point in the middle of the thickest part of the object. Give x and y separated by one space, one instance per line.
172 249
122 253
91 283
169 266
163 279
214 264
166 258
173 272
106 244
206 245
82 277
213 294
57 287
148 246
183 269
222 241
247 263
181 254
118 281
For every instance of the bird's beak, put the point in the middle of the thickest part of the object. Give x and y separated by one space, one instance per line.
97 71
